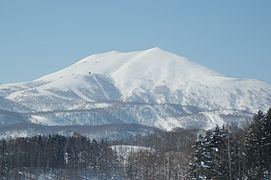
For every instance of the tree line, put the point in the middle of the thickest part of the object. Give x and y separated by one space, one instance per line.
70 155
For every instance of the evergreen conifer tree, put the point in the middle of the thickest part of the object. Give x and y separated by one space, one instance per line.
254 144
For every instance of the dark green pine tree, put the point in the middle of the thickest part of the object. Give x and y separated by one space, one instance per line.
212 157
220 147
196 168
3 159
267 143
254 144
237 154
204 162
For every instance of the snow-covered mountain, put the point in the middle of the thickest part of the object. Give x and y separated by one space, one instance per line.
151 87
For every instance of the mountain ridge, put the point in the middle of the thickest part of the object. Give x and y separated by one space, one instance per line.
153 77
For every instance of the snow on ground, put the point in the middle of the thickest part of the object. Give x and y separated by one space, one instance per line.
124 150
42 120
214 119
168 123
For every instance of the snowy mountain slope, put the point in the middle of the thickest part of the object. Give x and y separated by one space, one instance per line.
151 87
6 104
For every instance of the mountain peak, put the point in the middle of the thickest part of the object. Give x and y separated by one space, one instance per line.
152 87
154 49
151 64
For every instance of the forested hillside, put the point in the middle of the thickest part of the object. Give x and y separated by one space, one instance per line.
226 152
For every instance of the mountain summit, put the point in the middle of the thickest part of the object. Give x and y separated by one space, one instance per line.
140 69
150 87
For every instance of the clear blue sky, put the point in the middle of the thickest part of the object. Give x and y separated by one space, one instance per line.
41 36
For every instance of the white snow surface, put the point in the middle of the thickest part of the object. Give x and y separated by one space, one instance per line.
153 76
150 68
125 150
